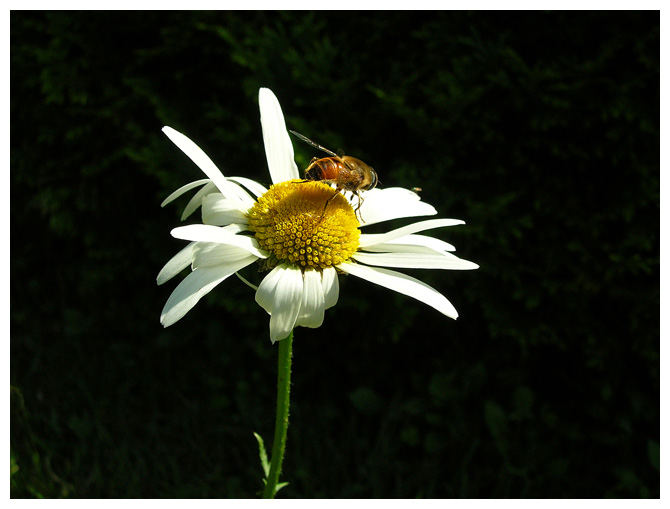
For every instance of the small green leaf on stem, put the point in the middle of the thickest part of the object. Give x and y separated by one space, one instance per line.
263 455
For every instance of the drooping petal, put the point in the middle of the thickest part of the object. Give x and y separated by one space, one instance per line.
219 211
209 233
184 189
176 264
196 200
402 283
265 295
254 187
288 299
278 147
312 307
280 294
445 261
197 284
206 254
392 203
377 238
331 287
231 191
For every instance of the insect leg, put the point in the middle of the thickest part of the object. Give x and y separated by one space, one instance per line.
327 203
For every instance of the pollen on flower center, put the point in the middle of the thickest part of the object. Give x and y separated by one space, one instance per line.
289 221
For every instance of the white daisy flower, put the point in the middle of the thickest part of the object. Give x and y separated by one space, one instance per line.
303 246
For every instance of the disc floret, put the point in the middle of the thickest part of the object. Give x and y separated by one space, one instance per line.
290 222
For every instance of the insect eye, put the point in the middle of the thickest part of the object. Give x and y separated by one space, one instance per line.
373 180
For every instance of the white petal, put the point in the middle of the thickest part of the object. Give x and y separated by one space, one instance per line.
265 295
209 233
331 287
219 211
197 284
235 228
278 147
184 189
198 156
377 238
207 254
254 187
445 261
392 203
288 300
312 307
280 293
176 264
242 194
404 284
196 201
412 244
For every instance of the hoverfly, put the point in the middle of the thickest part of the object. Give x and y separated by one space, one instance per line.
346 172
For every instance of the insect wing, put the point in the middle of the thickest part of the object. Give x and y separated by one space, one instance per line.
315 145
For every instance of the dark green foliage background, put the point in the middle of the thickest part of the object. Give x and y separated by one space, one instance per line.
540 130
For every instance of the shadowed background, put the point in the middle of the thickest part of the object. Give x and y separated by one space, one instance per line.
540 130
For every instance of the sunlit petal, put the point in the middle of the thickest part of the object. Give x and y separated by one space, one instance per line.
412 244
412 261
206 254
176 264
208 233
404 284
196 201
265 295
254 187
331 287
312 307
282 297
184 189
220 211
377 238
392 203
202 160
278 147
197 284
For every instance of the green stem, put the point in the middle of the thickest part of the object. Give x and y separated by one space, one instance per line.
281 423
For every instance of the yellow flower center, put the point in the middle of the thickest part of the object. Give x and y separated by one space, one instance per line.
290 222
